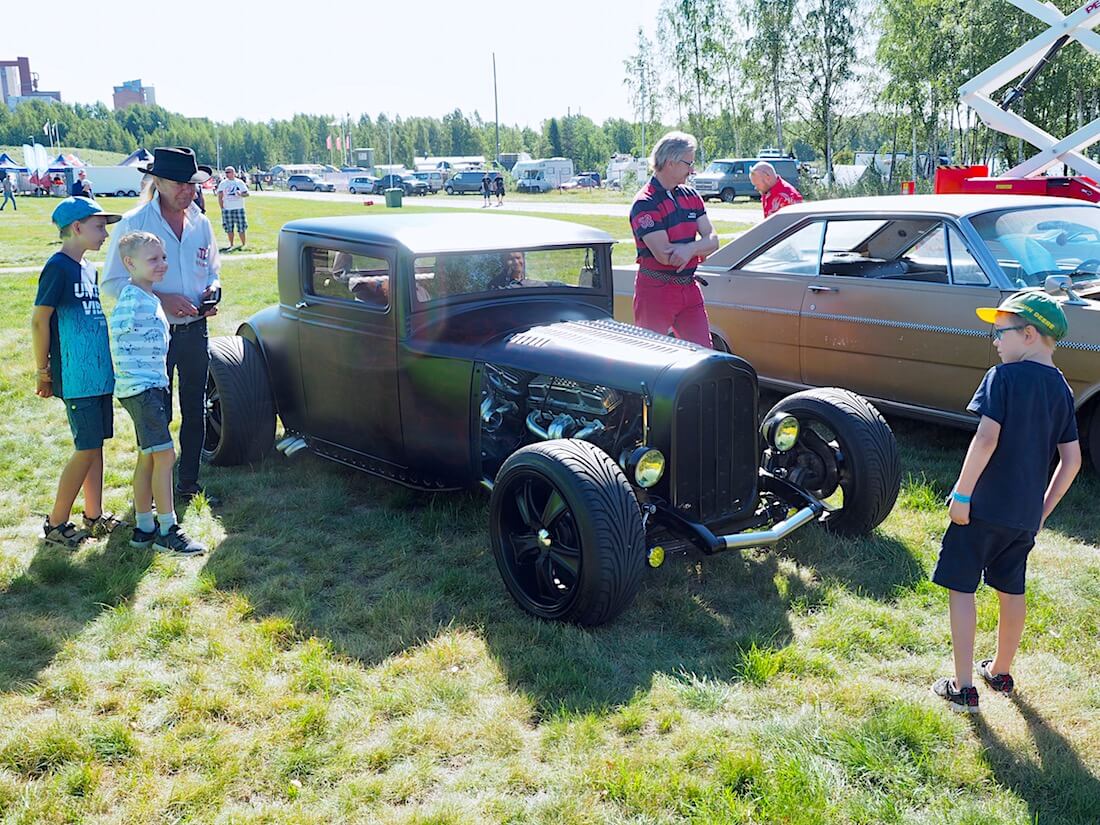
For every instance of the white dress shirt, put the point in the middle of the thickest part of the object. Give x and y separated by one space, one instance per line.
193 262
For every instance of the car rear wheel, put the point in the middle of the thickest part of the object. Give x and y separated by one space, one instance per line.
121 193
567 532
728 195
240 409
845 455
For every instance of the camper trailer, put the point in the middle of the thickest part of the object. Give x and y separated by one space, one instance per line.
542 175
114 180
621 165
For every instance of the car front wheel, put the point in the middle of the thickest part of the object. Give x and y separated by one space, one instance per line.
293 188
728 195
240 409
567 532
351 189
450 190
845 455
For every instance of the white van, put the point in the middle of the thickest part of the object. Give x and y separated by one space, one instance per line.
541 175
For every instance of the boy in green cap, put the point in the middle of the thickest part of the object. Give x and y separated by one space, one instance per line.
1002 497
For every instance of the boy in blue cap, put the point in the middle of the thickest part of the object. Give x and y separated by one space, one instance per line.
73 361
1002 497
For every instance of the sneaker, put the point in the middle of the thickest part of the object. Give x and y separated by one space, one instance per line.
188 492
63 535
143 538
178 542
97 528
1001 683
963 701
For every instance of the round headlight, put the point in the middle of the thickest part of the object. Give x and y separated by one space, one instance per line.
781 431
649 466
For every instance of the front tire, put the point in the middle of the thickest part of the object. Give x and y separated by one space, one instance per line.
293 188
846 455
728 195
567 532
240 409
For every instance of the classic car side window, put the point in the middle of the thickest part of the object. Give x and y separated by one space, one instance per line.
443 276
795 254
345 276
965 271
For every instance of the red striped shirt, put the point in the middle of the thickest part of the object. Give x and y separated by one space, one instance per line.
676 212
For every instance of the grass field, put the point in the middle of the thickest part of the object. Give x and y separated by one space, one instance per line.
92 157
347 653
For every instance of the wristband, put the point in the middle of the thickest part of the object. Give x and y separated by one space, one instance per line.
959 497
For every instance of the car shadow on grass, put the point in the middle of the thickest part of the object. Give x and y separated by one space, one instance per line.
378 570
57 596
1057 785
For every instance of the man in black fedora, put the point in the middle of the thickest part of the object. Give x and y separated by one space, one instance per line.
167 210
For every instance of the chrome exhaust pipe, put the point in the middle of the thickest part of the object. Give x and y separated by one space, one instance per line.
296 446
285 442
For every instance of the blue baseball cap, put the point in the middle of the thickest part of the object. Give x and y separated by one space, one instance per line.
77 209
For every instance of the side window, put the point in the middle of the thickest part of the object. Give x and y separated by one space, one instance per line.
739 168
345 276
965 271
795 254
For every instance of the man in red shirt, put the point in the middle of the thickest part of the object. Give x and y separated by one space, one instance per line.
672 235
775 193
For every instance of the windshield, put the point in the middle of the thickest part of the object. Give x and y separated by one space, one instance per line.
1030 244
718 168
444 276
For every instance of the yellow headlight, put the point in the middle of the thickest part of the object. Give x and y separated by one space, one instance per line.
649 468
785 434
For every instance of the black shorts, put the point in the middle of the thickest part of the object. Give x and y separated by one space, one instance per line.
971 550
150 411
91 420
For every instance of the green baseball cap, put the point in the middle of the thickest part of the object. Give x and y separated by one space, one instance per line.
1037 308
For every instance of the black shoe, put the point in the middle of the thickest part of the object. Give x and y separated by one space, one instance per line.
1000 682
178 542
964 700
188 492
143 538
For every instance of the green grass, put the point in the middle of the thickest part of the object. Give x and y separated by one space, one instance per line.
347 653
92 157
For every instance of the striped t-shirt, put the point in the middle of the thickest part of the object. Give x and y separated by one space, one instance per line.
139 342
677 212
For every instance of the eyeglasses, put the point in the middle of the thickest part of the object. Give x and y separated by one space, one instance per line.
998 332
690 164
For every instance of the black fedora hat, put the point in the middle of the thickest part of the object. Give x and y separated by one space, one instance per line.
176 163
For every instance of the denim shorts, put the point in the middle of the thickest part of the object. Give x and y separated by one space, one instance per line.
91 419
971 551
150 411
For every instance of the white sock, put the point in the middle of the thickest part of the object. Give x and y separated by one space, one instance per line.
145 521
166 520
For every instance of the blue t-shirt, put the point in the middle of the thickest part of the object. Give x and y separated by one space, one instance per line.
1034 406
80 353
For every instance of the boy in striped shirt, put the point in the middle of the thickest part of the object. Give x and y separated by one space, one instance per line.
139 349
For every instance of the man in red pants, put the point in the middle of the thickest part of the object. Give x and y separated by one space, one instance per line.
673 235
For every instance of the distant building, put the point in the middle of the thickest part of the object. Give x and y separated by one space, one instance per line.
132 92
18 83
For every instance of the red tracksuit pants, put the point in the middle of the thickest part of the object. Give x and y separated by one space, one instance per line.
671 309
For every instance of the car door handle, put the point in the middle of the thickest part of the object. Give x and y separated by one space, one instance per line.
301 305
820 288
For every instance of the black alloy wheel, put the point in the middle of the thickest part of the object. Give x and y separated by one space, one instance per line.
846 456
567 532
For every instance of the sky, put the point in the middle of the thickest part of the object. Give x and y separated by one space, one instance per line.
262 60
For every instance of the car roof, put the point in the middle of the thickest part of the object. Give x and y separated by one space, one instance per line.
957 205
424 234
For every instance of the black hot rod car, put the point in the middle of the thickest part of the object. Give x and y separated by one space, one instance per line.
449 351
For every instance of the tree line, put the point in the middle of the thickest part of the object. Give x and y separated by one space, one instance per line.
818 78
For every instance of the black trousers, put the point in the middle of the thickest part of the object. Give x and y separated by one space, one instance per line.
188 355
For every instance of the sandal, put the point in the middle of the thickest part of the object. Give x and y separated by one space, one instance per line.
102 526
63 535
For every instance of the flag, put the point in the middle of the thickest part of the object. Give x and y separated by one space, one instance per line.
46 128
339 144
328 142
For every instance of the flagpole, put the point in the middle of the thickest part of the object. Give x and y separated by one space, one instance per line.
496 107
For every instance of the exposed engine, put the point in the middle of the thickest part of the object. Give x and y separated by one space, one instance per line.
518 407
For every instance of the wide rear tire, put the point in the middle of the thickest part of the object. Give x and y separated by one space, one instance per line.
567 532
240 409
846 455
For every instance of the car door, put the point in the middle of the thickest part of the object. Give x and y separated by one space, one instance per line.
348 347
755 308
892 314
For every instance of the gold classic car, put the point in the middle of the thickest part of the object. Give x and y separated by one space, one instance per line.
877 295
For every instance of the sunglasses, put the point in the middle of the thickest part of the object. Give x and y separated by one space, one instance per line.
998 332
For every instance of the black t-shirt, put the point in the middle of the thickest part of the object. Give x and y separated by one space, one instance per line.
1034 406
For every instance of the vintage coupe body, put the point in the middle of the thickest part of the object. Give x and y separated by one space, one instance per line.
450 351
878 295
